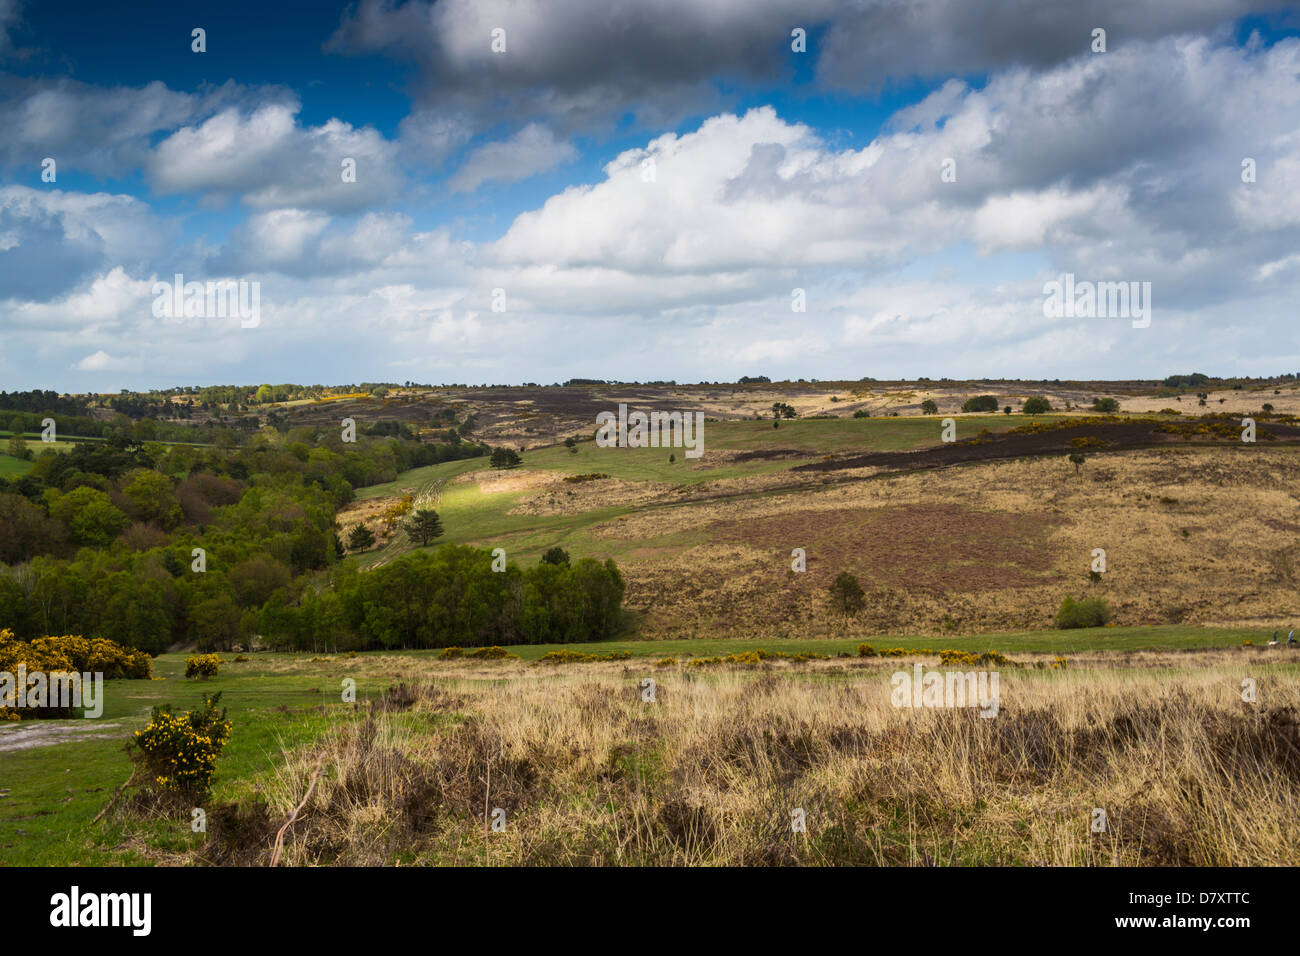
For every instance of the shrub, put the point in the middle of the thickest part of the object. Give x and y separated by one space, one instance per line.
847 594
1088 612
1089 441
1108 406
67 654
450 653
178 753
980 403
568 656
952 657
866 650
1036 405
74 653
492 653
202 666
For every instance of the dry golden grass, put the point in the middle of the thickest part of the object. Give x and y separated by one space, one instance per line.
588 773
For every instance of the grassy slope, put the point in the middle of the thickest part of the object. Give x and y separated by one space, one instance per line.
472 517
10 466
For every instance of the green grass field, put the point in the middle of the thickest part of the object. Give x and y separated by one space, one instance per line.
11 466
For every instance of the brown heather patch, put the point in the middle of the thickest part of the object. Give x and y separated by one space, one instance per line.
940 546
1278 525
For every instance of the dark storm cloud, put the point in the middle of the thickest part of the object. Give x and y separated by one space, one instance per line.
583 62
873 41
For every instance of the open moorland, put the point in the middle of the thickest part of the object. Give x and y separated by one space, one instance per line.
736 690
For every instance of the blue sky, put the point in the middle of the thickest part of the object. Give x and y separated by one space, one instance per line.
640 191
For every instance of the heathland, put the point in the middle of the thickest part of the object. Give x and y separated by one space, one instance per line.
246 524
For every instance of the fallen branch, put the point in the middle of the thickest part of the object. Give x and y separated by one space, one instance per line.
279 837
109 805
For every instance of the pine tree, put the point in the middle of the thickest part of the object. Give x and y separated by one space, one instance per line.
361 538
424 526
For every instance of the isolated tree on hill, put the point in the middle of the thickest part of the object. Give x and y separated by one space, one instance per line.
1036 405
929 407
847 594
424 525
505 458
557 556
361 538
1077 460
1107 405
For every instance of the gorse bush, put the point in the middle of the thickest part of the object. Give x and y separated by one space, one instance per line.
952 657
567 656
74 653
756 656
67 654
202 666
177 753
1088 612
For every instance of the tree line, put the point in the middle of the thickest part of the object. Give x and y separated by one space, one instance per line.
149 544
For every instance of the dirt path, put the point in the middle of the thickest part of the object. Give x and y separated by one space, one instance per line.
25 735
